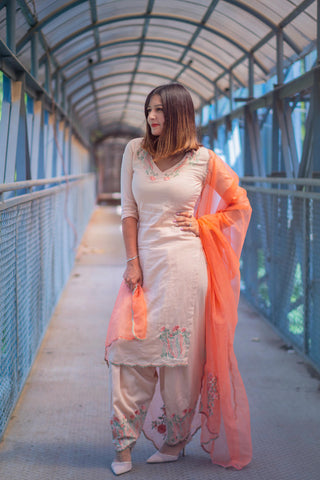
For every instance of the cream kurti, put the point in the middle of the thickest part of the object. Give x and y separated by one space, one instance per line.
172 261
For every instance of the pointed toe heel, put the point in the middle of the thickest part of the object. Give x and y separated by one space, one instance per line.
159 457
121 467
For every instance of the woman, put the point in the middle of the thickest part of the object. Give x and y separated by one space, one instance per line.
172 364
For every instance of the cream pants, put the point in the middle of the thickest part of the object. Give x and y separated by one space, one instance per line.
132 390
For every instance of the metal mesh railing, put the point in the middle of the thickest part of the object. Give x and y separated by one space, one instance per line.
38 235
280 262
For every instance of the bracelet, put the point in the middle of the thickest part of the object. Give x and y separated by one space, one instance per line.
132 258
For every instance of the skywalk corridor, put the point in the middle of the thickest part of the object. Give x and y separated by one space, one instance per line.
74 76
60 430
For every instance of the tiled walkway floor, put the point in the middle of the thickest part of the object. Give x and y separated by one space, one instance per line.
60 430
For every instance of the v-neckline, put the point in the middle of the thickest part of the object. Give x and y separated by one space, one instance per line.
172 166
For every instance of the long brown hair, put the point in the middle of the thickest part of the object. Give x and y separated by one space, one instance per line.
179 133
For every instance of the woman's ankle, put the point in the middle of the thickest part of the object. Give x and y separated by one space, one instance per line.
124 455
172 449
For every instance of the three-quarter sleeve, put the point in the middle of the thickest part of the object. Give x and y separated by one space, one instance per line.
128 204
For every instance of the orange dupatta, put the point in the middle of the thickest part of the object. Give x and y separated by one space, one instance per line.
129 317
223 215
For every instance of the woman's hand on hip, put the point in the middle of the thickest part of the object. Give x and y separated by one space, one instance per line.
133 274
187 222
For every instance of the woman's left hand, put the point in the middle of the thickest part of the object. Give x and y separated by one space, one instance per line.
187 222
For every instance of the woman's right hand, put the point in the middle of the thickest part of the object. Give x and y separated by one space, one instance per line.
133 274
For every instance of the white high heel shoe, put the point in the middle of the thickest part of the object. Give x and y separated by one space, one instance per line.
121 467
118 467
159 457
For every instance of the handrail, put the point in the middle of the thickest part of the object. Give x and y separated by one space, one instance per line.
57 183
308 182
29 184
284 193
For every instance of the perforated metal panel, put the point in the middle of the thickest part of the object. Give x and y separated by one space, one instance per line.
38 237
281 266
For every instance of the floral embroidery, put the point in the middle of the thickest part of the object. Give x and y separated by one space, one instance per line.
145 158
174 342
212 393
125 431
175 428
160 423
191 158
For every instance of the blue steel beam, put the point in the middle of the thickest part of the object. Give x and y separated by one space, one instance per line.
276 158
251 75
280 76
17 158
306 156
12 67
231 91
37 143
316 120
287 139
51 146
47 80
4 125
34 55
302 83
216 106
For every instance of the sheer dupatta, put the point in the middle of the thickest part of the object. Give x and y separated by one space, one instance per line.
223 215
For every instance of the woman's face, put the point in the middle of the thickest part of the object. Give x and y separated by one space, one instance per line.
155 117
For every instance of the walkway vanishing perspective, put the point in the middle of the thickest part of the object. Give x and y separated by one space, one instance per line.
60 430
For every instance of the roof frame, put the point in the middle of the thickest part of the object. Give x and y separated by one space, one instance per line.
33 21
110 105
94 19
128 72
195 35
143 55
141 16
124 41
274 27
110 95
200 26
299 8
142 43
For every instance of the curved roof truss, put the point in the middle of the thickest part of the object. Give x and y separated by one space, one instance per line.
207 46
